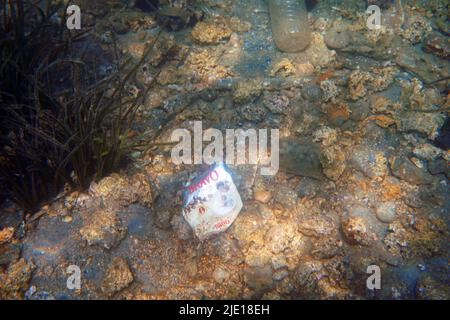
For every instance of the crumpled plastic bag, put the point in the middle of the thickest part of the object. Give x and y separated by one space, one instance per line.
212 202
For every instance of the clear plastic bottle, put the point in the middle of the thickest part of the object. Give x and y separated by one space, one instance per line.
290 26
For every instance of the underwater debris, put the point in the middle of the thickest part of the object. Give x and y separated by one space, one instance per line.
212 202
290 25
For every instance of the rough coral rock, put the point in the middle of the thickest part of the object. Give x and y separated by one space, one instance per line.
103 228
118 276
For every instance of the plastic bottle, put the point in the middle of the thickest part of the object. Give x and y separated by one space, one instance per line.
290 26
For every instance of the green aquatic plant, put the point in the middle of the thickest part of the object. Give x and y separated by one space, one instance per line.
55 135
26 43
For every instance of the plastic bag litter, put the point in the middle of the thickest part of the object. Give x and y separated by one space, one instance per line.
212 202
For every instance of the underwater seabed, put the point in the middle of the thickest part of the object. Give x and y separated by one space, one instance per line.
364 161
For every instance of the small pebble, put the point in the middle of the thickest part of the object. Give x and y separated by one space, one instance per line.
220 275
263 196
421 267
386 212
280 274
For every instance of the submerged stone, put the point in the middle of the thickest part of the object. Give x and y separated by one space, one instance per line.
404 169
117 277
386 212
301 158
